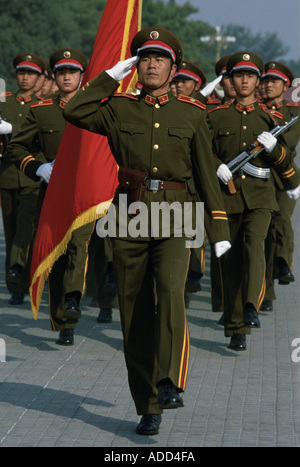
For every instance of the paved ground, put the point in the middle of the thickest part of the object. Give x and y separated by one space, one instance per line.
78 396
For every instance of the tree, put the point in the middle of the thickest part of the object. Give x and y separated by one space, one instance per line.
175 18
42 27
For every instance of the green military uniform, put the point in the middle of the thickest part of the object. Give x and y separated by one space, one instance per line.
215 276
100 278
168 139
41 133
19 193
280 240
249 210
190 71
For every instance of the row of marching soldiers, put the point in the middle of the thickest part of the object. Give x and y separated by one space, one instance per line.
32 117
273 95
256 218
22 196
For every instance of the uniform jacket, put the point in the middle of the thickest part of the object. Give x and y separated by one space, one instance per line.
14 110
233 128
166 137
39 137
283 111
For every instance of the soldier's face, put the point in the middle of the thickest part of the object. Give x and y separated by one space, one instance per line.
229 90
244 83
155 71
187 87
26 79
40 82
67 79
275 88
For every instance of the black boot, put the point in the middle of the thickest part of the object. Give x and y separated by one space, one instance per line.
285 275
267 305
14 274
105 315
251 317
66 337
17 298
238 342
72 311
168 397
149 424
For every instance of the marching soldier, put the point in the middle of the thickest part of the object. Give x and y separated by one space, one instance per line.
280 242
48 83
44 128
250 209
228 98
189 80
159 142
225 83
19 193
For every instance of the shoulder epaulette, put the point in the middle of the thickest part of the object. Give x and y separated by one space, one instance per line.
293 104
42 102
191 100
219 107
125 94
6 94
274 113
213 102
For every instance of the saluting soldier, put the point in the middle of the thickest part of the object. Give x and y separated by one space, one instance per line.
159 142
249 210
19 193
225 83
277 80
44 127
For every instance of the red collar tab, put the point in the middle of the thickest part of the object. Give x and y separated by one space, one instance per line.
244 108
23 99
274 105
62 104
150 100
163 99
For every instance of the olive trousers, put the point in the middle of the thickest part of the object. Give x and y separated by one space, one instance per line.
243 267
150 278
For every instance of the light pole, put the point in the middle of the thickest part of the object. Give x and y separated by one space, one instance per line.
220 41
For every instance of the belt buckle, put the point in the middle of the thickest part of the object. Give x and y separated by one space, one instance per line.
154 185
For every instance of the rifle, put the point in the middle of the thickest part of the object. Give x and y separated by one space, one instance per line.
252 151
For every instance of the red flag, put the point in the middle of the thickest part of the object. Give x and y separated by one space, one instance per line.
85 172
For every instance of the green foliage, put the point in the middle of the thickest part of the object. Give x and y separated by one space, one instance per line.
175 17
41 27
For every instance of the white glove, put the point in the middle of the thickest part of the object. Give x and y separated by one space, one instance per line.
208 89
267 140
44 171
222 247
5 128
123 68
224 173
293 194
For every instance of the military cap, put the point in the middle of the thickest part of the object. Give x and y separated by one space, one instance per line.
30 62
245 61
157 40
189 70
68 58
48 71
280 71
221 65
